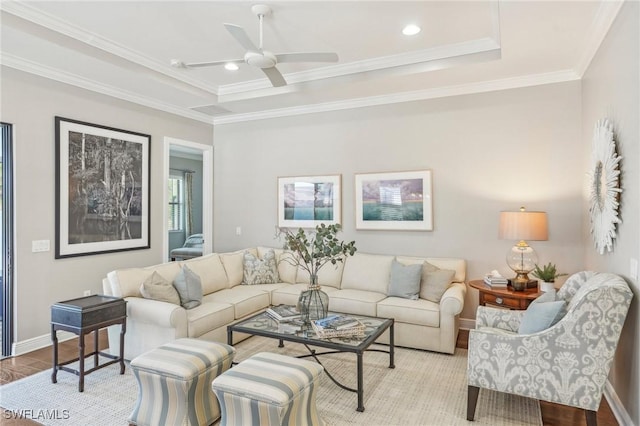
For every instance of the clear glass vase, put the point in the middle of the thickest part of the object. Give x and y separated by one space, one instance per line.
313 303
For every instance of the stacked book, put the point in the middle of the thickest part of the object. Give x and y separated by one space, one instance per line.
338 325
283 313
496 281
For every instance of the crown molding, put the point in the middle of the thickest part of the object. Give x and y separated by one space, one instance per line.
419 95
30 67
470 47
607 13
38 17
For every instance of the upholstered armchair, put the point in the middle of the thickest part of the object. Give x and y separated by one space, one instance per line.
192 248
567 363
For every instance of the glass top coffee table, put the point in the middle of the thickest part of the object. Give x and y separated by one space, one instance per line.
263 325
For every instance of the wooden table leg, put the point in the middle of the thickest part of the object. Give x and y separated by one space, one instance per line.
81 361
95 347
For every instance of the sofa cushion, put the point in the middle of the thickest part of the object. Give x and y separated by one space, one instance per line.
367 272
211 271
245 299
233 265
157 288
126 282
329 275
260 271
418 312
207 317
404 280
288 294
189 287
352 301
286 271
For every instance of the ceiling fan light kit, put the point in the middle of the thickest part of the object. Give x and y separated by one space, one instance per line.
256 56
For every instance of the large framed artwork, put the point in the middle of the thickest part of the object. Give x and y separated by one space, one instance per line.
304 202
394 201
102 189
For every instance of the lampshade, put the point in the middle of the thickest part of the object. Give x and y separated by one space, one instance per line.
520 226
523 225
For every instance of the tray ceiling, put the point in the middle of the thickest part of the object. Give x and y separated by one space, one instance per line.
125 48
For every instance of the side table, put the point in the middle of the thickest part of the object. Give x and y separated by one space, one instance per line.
83 316
504 297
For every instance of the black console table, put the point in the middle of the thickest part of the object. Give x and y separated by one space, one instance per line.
83 316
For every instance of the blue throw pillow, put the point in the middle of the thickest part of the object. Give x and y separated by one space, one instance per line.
405 280
542 313
189 287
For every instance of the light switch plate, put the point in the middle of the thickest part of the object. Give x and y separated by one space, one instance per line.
633 268
40 246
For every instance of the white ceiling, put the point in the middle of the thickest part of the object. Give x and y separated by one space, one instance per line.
124 49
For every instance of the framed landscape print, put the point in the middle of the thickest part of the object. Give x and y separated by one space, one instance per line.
304 202
394 201
102 189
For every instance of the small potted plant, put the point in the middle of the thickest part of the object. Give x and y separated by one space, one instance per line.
548 274
311 250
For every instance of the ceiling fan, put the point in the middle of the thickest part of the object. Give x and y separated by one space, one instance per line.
258 57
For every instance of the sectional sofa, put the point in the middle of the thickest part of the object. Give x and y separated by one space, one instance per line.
359 285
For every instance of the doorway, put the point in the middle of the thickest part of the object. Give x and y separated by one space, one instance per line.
185 160
6 239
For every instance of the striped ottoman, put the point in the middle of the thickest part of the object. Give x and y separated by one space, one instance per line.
269 389
174 383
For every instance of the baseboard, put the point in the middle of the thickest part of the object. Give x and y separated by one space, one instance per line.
620 413
467 324
35 343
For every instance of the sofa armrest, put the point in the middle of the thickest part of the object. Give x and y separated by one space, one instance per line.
487 316
452 300
162 314
106 287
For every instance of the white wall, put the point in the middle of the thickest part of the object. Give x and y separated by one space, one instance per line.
30 104
488 152
611 90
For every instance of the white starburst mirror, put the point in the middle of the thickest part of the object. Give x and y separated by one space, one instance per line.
604 187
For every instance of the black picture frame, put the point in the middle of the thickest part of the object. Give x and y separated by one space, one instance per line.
102 189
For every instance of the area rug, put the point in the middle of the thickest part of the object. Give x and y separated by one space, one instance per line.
425 388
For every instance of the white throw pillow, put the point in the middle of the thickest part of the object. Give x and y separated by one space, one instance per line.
156 287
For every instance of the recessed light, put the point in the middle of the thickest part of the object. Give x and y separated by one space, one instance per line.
230 66
411 29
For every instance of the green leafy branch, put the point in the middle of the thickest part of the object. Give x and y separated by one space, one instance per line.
312 249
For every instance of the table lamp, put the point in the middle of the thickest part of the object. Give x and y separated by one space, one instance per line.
520 226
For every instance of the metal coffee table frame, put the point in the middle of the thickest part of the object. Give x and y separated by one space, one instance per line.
263 325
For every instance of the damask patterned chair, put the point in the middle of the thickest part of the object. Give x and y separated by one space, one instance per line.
567 363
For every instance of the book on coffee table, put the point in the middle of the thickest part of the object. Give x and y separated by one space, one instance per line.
283 312
337 322
338 326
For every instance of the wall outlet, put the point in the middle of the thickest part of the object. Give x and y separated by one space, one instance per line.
87 293
238 230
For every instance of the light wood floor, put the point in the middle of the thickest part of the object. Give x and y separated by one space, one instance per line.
24 365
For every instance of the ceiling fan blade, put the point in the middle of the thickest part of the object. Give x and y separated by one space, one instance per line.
274 76
307 57
213 63
241 37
